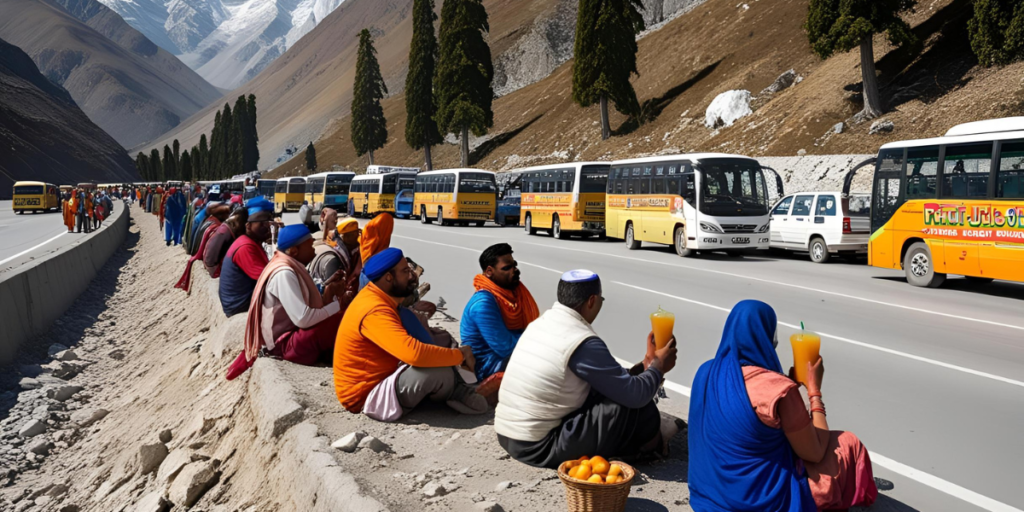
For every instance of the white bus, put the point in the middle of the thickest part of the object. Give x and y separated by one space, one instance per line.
387 169
694 202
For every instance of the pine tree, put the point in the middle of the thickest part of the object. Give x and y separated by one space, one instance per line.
252 143
241 129
216 143
156 172
204 157
836 26
185 167
170 170
197 164
310 158
369 129
142 164
462 83
605 56
997 31
420 128
176 149
229 147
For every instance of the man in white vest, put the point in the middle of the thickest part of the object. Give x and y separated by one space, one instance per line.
564 395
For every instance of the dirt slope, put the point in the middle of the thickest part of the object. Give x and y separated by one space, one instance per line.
720 46
122 81
45 136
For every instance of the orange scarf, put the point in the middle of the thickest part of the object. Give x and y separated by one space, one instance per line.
376 236
517 306
281 261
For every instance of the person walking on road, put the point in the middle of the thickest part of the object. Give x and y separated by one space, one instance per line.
174 216
69 211
753 444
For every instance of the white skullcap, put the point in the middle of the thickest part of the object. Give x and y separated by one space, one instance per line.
579 276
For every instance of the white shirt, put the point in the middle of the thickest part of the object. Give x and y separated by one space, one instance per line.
283 296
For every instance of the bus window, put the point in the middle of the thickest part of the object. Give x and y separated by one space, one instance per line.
296 186
966 170
281 187
389 184
733 186
593 179
922 172
29 190
886 194
476 183
1010 181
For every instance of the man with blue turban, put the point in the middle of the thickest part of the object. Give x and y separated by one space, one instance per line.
245 259
289 316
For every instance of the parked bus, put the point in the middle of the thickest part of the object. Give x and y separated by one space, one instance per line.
455 196
265 188
952 205
35 196
289 194
565 198
370 194
328 189
694 202
509 195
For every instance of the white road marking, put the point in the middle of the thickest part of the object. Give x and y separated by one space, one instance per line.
899 468
30 249
845 340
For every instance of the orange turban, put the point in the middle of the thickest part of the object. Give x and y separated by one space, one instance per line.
376 236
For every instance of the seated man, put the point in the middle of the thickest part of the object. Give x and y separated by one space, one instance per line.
379 368
340 254
496 314
564 395
289 318
223 236
245 259
219 213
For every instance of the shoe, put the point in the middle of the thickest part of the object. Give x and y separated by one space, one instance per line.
489 388
467 401
168 243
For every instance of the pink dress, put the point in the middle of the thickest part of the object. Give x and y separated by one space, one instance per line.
844 478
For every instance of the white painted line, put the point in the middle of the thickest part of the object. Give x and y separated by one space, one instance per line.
30 249
939 484
846 340
473 251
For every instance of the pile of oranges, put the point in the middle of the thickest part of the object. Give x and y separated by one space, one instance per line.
596 470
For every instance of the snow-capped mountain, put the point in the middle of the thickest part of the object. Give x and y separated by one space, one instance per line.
226 41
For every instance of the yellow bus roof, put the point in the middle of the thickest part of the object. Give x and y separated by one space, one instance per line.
30 183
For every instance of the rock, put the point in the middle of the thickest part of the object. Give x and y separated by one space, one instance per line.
65 370
488 506
66 355
70 508
172 464
881 126
502 486
152 502
29 383
32 429
373 443
348 443
801 152
165 435
151 456
434 490
43 501
192 482
727 108
58 490
41 448
838 128
63 393
88 416
783 82
55 349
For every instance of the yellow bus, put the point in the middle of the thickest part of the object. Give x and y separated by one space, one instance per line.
564 198
455 196
370 194
328 189
693 202
288 194
952 205
35 196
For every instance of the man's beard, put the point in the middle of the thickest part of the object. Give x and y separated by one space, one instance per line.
403 293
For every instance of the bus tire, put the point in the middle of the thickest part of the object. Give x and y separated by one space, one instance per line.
479 223
556 229
529 225
424 219
818 250
917 264
440 217
631 242
19 212
680 243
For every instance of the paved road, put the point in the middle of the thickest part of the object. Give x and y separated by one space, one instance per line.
25 231
931 380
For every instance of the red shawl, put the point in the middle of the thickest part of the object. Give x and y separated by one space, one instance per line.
185 283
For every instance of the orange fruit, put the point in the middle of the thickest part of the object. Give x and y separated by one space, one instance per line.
612 479
615 470
599 465
583 472
595 479
583 458
585 463
573 470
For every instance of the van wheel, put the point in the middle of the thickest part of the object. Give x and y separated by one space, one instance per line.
423 215
529 225
440 217
979 280
631 242
479 223
819 250
556 229
680 244
919 269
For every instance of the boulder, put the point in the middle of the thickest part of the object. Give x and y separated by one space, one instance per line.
41 448
151 456
29 383
727 108
88 416
63 393
783 82
373 443
152 502
66 355
502 486
192 482
488 506
32 429
348 443
55 349
165 436
172 464
881 126
434 490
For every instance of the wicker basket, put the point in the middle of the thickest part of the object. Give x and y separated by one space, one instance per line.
590 497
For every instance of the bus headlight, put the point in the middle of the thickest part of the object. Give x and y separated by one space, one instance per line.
764 228
710 228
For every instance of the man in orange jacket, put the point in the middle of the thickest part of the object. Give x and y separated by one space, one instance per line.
382 371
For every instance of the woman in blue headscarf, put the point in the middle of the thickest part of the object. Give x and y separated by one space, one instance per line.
753 444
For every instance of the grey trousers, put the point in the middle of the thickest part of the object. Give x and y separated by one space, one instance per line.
416 384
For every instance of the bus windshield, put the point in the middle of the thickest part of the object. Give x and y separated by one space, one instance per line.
296 186
29 190
476 183
594 178
406 183
338 185
733 188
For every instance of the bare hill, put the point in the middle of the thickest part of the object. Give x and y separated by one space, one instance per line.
721 46
127 85
45 136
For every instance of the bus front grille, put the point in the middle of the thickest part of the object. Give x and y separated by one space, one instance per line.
739 228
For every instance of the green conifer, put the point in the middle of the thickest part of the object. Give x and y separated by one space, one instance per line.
185 167
420 128
204 156
310 158
156 170
369 128
462 82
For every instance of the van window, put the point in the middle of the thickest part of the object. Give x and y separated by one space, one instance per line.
783 207
1010 180
922 172
802 205
966 170
858 205
826 206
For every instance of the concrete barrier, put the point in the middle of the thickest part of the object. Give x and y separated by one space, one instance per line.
35 295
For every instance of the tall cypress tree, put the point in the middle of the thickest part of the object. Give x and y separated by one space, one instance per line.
229 151
369 129
241 129
156 172
170 170
462 83
310 158
204 156
216 138
837 26
605 56
185 167
142 164
176 150
197 164
420 127
252 142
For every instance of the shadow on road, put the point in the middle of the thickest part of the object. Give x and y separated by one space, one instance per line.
1001 289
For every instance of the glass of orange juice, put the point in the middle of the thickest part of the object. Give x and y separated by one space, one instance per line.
806 346
662 323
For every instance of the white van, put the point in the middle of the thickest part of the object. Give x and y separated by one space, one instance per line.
822 224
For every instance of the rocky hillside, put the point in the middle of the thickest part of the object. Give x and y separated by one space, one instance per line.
126 84
720 46
45 136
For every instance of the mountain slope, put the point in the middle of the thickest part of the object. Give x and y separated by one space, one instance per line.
45 136
131 88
